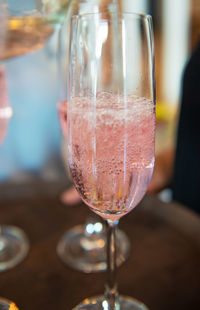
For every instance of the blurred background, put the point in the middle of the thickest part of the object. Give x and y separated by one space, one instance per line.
32 147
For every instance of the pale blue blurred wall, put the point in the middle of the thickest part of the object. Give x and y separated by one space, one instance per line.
33 139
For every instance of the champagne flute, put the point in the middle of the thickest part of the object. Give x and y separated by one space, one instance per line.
83 247
111 125
24 27
14 244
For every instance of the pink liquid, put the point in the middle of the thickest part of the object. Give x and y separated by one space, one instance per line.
70 196
62 113
111 151
5 109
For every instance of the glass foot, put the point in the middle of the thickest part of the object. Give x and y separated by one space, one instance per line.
87 252
6 304
14 247
100 303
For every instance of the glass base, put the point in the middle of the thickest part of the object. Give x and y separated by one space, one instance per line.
87 252
6 304
14 247
100 303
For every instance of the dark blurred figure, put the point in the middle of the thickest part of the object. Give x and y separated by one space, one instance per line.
180 168
186 179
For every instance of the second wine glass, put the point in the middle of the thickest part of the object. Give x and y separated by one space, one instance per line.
83 247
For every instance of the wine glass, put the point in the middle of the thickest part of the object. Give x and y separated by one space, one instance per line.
111 125
83 247
14 244
24 27
29 24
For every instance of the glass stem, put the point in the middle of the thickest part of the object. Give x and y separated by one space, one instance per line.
111 293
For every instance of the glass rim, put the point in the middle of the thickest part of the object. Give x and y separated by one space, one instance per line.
142 16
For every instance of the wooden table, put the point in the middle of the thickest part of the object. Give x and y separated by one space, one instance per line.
163 270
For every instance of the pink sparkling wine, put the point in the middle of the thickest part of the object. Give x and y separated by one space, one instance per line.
111 151
62 113
5 109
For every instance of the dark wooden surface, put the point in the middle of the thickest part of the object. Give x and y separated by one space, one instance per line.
163 269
